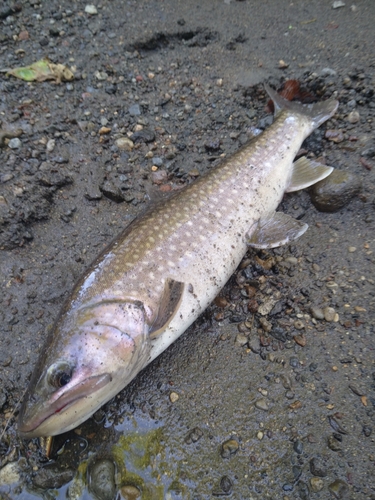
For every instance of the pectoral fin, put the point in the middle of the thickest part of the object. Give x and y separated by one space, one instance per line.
170 302
306 173
276 230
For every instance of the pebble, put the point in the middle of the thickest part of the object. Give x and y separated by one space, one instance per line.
315 469
134 110
50 145
102 479
316 484
229 447
335 191
241 339
298 447
225 487
194 435
174 397
260 435
48 478
262 404
352 249
91 9
15 143
129 492
338 488
353 117
112 191
337 4
333 444
329 314
317 312
9 474
124 143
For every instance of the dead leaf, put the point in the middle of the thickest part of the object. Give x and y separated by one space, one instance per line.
41 71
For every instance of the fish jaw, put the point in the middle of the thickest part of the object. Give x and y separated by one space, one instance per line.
75 378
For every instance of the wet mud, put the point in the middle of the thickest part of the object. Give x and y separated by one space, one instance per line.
271 393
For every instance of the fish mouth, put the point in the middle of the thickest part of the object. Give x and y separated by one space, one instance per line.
33 419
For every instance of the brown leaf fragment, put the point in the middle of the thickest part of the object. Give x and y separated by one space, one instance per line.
296 405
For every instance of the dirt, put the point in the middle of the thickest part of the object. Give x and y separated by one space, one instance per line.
183 81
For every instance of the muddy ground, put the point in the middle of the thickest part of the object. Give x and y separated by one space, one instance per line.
270 395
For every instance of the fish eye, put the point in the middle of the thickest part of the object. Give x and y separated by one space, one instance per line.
59 374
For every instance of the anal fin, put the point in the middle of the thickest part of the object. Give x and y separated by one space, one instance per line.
169 305
306 173
276 230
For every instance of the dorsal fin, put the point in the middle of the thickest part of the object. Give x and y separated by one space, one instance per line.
170 302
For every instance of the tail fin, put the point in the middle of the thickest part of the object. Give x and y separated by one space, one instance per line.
318 112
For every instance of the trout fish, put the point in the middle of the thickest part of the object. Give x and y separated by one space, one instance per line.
166 267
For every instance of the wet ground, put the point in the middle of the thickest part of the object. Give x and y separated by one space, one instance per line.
271 393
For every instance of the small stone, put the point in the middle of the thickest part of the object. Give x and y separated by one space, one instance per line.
317 312
229 448
338 489
104 130
124 143
91 9
50 477
112 192
9 474
298 324
134 110
260 435
298 447
316 484
329 314
335 191
353 117
352 249
129 492
337 4
315 469
101 474
262 404
174 397
367 431
50 145
333 444
194 435
15 143
241 339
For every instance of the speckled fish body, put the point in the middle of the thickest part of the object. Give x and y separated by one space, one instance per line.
156 278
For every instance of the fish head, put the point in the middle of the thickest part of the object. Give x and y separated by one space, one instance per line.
91 355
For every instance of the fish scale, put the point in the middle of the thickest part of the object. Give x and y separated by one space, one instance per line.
155 279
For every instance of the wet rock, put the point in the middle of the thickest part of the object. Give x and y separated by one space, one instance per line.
144 135
298 446
333 443
124 143
225 487
135 110
315 469
303 490
101 479
262 404
129 492
9 474
335 425
297 471
254 345
335 191
367 431
194 435
229 447
338 488
329 314
112 192
52 477
15 143
316 484
317 312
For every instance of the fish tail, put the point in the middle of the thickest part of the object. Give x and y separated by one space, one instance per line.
318 112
